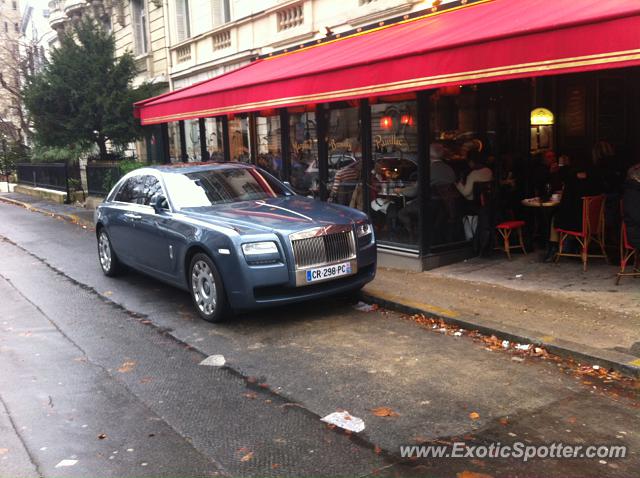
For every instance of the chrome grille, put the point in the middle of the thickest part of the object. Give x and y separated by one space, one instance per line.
323 249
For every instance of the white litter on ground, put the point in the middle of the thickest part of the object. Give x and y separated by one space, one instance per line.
523 346
345 420
363 307
214 361
64 463
505 344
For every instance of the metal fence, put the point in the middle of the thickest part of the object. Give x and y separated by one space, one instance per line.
101 177
47 175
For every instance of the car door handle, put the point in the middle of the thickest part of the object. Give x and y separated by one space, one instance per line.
131 215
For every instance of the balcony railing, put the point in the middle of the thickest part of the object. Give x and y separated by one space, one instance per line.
290 17
183 53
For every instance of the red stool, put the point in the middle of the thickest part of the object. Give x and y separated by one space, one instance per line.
505 229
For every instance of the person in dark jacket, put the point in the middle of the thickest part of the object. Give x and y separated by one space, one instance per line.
581 181
631 205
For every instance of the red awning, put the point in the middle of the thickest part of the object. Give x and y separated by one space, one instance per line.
486 41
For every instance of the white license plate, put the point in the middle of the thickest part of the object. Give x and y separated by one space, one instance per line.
329 272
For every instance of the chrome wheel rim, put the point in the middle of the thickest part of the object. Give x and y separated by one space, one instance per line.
203 287
104 251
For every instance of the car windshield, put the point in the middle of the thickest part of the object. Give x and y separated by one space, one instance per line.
220 186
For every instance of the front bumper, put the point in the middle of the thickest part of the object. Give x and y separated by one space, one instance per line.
264 286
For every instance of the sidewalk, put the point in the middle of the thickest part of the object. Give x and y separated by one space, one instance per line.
572 313
581 315
69 212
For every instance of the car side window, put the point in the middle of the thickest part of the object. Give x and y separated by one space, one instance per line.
126 191
139 190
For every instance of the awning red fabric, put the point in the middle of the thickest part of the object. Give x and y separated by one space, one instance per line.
486 41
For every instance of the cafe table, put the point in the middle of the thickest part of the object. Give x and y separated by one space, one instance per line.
543 210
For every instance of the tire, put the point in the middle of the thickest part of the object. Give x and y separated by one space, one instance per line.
109 262
206 288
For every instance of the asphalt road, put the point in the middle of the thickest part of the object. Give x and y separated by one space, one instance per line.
105 373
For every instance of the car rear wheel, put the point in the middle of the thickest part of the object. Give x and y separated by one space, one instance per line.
207 291
108 259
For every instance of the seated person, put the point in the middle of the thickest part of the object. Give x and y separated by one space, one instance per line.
480 173
631 205
581 180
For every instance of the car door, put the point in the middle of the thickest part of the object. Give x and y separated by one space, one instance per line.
153 250
124 213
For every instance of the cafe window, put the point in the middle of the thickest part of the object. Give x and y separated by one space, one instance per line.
175 155
192 137
269 144
214 139
304 171
395 204
239 145
344 167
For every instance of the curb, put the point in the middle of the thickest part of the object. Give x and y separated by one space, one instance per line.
72 218
624 363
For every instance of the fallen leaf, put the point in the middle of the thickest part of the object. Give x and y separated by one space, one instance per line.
384 412
126 366
251 395
102 436
108 292
474 415
146 379
504 421
275 465
377 450
247 457
472 474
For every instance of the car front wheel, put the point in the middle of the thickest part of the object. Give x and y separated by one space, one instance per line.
207 291
108 260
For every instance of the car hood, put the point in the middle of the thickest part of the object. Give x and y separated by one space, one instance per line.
283 214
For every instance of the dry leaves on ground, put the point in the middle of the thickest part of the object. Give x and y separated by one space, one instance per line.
384 412
127 366
472 474
247 457
474 415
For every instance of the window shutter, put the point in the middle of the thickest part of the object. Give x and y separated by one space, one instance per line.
217 12
137 21
182 20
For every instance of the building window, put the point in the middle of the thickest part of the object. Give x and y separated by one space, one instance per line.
139 22
304 152
6 27
215 143
175 155
344 168
221 12
290 17
393 184
192 139
14 5
16 27
183 30
240 148
269 144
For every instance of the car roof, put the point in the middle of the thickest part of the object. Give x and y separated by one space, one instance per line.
182 168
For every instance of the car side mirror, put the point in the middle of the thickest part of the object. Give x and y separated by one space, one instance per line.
159 203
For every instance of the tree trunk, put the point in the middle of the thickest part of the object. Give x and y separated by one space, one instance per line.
102 146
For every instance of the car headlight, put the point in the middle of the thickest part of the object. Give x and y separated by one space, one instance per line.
252 249
363 229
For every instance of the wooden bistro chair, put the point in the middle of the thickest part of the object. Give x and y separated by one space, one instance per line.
627 251
592 230
505 229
